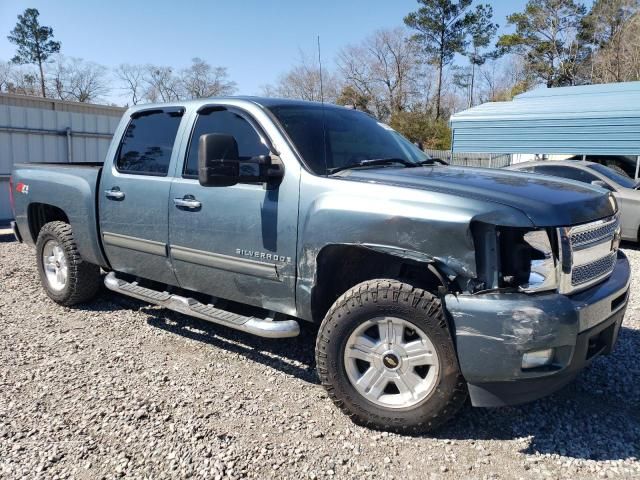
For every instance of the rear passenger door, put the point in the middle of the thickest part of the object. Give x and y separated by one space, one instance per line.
134 193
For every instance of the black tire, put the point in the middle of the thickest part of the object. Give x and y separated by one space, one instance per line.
83 279
617 168
372 299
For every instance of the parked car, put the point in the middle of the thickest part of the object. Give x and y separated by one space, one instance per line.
624 189
623 164
428 282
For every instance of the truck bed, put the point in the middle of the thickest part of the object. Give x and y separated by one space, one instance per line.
70 187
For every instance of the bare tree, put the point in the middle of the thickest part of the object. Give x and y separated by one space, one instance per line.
202 80
501 79
162 85
303 82
23 80
155 83
385 68
132 78
78 80
5 76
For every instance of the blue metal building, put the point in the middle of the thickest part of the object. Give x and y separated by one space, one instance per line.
583 120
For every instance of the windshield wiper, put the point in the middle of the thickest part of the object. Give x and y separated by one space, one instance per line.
373 162
433 161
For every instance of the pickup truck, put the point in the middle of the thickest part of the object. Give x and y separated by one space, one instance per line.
429 283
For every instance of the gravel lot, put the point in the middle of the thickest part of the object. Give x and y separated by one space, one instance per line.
121 389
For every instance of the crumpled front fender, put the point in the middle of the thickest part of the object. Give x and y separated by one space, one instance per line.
424 226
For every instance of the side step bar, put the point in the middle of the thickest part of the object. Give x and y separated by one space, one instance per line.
263 327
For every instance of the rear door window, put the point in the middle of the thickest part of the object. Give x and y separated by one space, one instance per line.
147 144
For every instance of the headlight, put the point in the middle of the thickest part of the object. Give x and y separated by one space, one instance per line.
542 273
527 260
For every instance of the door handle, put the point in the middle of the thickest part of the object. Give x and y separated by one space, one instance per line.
187 202
114 194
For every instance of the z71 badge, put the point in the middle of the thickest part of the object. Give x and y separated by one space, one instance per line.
262 255
22 188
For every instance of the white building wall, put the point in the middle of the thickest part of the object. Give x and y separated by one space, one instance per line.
38 133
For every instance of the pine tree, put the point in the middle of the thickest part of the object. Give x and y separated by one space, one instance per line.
34 41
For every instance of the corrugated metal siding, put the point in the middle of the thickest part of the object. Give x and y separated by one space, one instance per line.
59 105
5 208
39 135
594 119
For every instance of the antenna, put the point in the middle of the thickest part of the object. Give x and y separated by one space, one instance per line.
324 128
320 65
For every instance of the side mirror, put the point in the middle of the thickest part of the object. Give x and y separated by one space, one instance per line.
602 184
218 162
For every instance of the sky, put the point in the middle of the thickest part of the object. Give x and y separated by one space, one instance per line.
256 40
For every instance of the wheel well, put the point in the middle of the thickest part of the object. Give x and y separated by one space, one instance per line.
39 214
340 267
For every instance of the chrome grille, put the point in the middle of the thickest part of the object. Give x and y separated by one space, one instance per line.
597 234
588 253
585 273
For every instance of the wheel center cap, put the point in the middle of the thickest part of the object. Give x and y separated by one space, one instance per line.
57 264
391 361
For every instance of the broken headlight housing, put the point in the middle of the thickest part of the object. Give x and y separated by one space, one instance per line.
528 260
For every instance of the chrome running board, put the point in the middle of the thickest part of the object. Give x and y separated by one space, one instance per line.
263 327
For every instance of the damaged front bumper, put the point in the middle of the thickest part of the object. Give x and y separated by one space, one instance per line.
494 330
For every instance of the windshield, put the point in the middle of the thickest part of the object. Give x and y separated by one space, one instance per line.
620 179
348 137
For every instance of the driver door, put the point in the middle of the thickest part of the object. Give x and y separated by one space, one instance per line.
236 242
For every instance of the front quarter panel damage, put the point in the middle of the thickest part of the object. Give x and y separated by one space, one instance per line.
430 227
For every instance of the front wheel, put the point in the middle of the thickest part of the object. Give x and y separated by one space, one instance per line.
65 276
385 356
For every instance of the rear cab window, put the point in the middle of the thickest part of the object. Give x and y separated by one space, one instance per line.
148 141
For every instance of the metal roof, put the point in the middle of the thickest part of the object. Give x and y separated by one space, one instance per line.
588 119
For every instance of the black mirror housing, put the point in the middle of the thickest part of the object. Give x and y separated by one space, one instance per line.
219 164
218 161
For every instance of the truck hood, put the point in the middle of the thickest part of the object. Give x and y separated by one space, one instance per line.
547 201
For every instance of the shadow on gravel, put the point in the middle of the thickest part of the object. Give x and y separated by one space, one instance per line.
293 356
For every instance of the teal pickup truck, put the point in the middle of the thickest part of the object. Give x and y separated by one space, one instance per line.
429 283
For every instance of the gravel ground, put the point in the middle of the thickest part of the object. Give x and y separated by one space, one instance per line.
121 389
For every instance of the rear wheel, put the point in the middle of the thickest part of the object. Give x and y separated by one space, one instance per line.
617 168
65 276
385 356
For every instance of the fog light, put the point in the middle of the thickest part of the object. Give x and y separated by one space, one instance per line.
537 358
